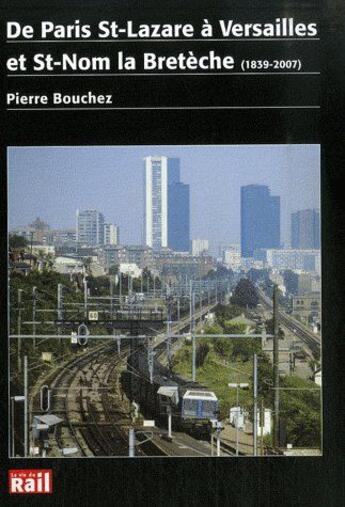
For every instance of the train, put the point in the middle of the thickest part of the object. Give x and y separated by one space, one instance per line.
193 407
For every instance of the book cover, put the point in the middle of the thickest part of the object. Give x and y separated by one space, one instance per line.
172 245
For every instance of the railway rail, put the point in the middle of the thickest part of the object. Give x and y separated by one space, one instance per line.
80 398
312 341
95 423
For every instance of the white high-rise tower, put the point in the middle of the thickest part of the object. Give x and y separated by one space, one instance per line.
156 202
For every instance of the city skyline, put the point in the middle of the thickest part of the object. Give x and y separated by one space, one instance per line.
110 179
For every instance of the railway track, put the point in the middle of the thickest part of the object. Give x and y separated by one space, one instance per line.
81 399
101 443
312 341
107 423
68 436
95 423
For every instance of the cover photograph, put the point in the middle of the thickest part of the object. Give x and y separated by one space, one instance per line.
158 311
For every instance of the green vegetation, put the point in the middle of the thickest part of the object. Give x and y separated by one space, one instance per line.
46 298
227 312
300 410
270 329
219 360
227 360
46 283
216 373
17 242
245 294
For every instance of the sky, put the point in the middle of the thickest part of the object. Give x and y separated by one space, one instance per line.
52 182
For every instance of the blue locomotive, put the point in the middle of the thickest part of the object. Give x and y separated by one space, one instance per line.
192 406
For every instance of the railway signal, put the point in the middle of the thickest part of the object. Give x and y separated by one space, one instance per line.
45 395
83 333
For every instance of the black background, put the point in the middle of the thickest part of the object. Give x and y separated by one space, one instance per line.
223 481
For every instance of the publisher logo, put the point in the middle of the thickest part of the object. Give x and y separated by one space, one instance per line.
30 481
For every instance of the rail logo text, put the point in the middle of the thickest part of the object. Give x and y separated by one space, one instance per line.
30 481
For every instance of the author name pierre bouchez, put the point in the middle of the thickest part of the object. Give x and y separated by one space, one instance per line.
58 99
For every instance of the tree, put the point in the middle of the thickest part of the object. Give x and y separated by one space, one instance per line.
213 329
245 294
227 312
17 242
265 378
222 346
233 327
270 329
301 409
101 285
244 348
201 353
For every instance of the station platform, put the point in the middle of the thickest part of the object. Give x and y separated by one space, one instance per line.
245 440
183 445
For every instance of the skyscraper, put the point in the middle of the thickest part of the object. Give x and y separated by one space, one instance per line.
90 227
178 217
260 219
173 170
166 214
305 229
156 202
